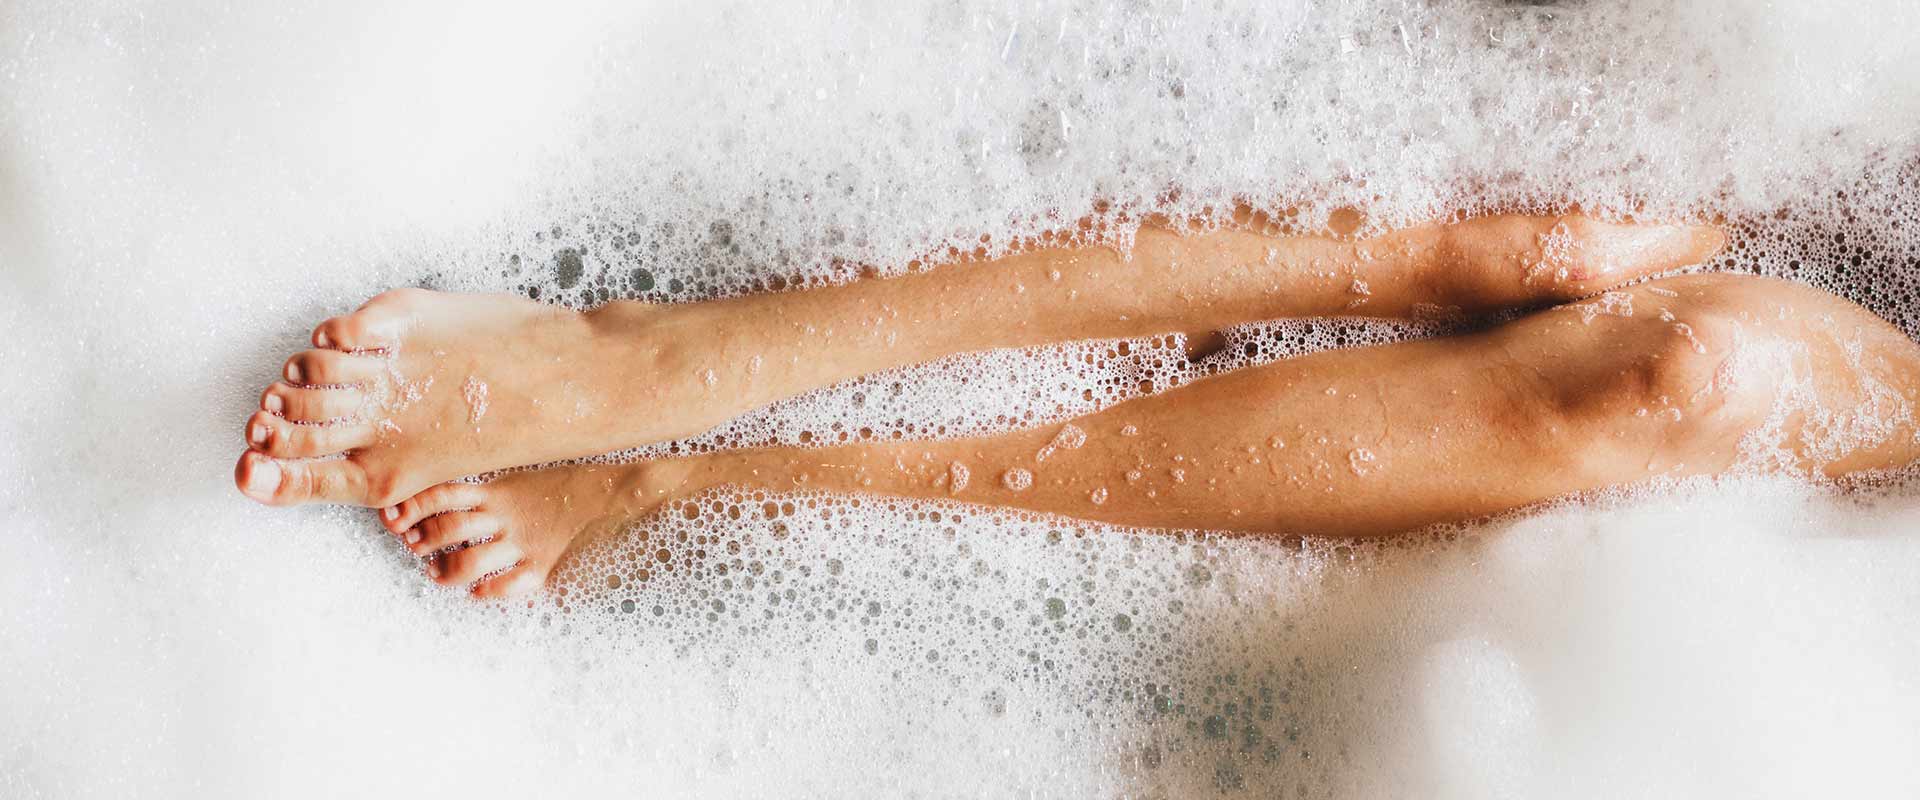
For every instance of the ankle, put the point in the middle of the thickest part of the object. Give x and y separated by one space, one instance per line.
647 486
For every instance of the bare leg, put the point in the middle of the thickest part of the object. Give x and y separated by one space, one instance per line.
1707 373
418 387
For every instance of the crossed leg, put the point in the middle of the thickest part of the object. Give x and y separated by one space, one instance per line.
417 388
1678 377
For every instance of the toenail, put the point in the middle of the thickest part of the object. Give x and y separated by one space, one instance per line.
320 339
413 537
390 512
293 373
264 478
433 570
274 403
259 433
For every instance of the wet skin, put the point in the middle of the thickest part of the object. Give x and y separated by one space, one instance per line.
418 388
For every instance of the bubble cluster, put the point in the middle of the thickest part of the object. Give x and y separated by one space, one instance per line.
238 173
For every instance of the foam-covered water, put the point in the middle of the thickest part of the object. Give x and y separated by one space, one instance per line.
185 189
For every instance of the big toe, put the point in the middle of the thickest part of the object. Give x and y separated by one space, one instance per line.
285 483
258 476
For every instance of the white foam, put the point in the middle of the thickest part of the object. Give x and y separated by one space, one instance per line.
186 190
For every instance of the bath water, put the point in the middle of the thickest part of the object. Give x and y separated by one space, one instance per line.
186 188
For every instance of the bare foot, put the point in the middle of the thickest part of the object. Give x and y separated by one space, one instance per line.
503 538
417 387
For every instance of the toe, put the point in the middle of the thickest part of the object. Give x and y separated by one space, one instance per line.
307 404
442 531
281 438
520 581
286 483
363 330
445 497
332 367
463 567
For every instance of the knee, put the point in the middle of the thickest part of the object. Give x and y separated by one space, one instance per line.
1683 370
1673 363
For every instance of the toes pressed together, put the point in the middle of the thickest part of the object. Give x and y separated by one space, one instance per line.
305 421
319 409
329 430
463 542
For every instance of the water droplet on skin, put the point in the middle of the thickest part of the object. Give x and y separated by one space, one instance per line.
1361 461
1099 496
474 391
1687 331
1612 304
1070 437
957 477
1129 430
1361 291
1017 479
